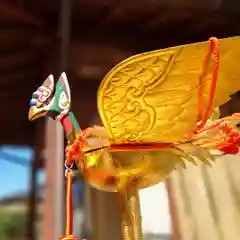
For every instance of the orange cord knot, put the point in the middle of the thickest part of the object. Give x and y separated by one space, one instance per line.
73 151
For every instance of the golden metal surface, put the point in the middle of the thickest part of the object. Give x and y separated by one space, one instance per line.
136 219
126 220
153 96
112 171
130 214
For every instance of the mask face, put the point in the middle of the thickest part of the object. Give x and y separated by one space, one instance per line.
47 100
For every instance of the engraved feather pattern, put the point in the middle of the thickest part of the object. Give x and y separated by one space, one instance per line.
153 96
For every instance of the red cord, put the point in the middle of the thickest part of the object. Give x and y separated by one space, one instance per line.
214 49
139 146
201 84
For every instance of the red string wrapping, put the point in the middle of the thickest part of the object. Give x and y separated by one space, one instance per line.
139 146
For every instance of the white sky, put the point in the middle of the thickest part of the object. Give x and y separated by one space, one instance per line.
155 211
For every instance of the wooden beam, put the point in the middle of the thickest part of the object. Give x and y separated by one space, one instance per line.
92 10
124 39
54 199
188 18
16 38
164 16
231 4
13 134
133 41
87 59
85 111
159 36
113 13
17 59
122 12
18 78
92 3
43 6
16 14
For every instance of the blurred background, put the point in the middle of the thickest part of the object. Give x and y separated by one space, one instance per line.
86 38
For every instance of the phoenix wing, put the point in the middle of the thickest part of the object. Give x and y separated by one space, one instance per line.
153 96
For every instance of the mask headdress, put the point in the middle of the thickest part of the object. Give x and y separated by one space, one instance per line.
62 97
45 100
41 99
44 92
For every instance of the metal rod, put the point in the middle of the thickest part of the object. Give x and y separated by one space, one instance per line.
126 225
131 214
136 219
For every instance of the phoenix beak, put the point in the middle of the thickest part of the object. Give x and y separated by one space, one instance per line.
35 113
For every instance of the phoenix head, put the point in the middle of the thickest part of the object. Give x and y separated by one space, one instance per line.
49 100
